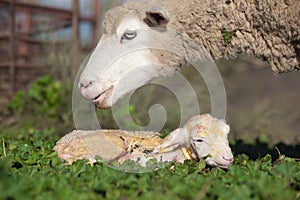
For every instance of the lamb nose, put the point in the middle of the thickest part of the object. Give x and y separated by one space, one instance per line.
229 159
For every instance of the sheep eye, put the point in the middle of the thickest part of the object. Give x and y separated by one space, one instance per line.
128 35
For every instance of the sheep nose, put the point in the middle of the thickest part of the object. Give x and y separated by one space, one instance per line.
228 158
86 87
85 83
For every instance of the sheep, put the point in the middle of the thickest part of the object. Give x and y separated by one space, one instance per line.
202 136
267 29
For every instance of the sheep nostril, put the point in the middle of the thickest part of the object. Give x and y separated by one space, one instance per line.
85 84
229 159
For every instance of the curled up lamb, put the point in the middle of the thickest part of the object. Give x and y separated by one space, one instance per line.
201 137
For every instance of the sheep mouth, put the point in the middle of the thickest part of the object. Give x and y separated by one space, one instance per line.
99 99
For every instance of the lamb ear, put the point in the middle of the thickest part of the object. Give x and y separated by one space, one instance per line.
176 139
157 16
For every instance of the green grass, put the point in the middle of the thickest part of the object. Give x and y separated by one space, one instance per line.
29 169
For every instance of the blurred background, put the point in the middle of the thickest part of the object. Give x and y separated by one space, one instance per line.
36 35
42 44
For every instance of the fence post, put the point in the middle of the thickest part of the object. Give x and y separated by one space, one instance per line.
96 17
25 28
12 49
75 37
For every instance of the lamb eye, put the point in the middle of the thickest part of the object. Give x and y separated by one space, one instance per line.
198 140
128 35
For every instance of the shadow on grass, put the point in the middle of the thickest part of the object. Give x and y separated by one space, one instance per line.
260 149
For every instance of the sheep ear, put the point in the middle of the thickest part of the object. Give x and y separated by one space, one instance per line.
157 16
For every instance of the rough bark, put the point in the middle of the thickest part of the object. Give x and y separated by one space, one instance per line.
269 30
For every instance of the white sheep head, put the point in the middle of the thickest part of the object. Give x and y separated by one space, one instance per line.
128 32
204 137
209 138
